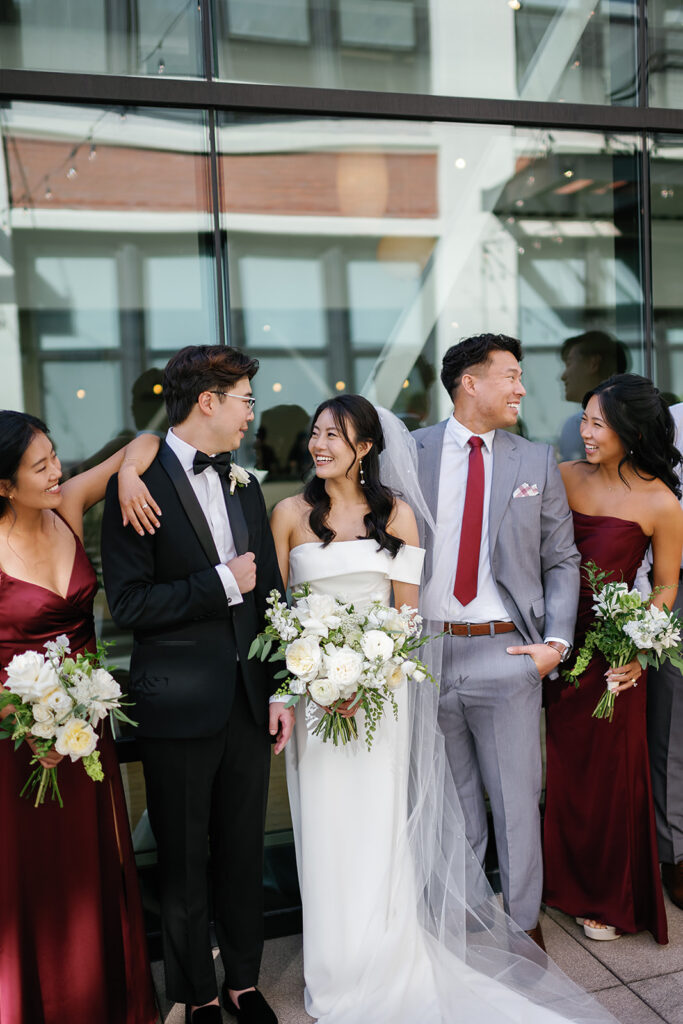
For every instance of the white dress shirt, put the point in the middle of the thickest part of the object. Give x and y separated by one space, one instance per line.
209 490
440 604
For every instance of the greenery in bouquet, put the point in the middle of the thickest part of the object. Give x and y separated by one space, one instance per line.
59 701
627 626
342 658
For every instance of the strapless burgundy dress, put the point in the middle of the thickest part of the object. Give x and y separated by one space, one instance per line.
600 849
72 937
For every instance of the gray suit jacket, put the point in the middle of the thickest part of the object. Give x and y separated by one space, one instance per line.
533 556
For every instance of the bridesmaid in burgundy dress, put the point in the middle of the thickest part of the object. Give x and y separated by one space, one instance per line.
72 938
600 850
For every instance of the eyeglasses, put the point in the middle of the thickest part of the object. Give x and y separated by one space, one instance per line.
251 402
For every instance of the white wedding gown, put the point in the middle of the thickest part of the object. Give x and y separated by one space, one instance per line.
367 958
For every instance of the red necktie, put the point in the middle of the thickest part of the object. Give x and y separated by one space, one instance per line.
467 572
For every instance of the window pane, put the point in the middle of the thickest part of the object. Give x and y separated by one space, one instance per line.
576 51
666 177
150 38
665 46
343 277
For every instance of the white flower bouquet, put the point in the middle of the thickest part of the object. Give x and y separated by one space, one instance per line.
627 626
338 656
59 701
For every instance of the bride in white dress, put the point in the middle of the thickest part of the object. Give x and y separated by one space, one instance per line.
399 924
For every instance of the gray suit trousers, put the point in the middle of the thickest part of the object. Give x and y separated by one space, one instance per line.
665 740
489 711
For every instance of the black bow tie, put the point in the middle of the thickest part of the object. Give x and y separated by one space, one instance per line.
220 462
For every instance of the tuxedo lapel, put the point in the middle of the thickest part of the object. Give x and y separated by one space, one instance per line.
238 524
188 499
505 468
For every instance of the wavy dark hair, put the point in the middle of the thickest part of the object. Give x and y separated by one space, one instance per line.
353 413
639 416
17 430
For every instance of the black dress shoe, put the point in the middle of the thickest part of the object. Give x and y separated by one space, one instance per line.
203 1014
253 1009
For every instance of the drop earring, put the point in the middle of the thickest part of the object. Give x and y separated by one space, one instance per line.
362 474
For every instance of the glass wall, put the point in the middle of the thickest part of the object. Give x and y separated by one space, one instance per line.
355 264
153 37
574 51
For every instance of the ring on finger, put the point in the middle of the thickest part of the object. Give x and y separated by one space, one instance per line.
145 505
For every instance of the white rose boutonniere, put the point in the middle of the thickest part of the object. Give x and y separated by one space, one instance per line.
238 477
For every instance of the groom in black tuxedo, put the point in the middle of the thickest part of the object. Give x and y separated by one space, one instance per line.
195 594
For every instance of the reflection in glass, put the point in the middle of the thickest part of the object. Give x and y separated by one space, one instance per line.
666 195
359 283
581 51
665 53
154 37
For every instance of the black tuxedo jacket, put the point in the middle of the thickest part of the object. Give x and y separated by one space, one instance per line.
165 588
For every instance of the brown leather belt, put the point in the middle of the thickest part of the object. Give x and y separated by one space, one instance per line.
478 628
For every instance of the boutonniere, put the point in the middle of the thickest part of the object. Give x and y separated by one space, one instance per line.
238 477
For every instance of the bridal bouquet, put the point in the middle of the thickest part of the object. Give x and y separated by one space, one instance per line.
59 701
334 653
627 626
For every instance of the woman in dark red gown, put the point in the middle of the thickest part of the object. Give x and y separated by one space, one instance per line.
600 850
72 938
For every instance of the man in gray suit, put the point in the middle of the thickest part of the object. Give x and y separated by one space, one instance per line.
502 576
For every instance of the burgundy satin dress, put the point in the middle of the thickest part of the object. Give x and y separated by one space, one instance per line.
600 848
72 937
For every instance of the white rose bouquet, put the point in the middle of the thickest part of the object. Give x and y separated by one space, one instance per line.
335 654
59 701
627 626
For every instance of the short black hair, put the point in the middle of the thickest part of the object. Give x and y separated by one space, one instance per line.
198 368
613 354
473 352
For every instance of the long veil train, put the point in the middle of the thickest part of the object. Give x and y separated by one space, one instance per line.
459 914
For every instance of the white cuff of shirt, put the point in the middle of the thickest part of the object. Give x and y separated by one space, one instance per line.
278 700
232 591
558 640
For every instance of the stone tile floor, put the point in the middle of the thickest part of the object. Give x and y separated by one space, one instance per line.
637 980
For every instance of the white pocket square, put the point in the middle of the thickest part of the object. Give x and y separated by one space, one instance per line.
526 491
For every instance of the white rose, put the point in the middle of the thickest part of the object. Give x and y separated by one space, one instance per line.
59 701
44 730
30 676
76 738
42 713
376 644
303 658
419 676
324 691
104 686
343 666
297 686
409 667
241 474
394 676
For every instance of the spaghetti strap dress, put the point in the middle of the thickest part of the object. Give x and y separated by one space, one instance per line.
72 936
600 847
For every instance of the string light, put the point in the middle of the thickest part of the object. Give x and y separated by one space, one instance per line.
277 386
72 173
340 385
92 155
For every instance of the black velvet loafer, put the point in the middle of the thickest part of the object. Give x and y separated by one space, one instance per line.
253 1008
